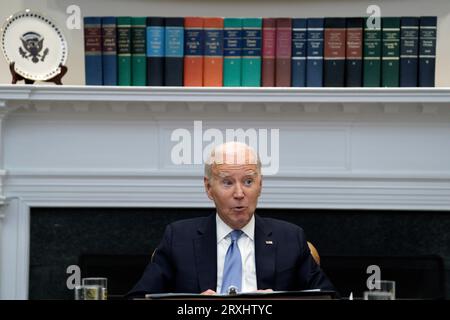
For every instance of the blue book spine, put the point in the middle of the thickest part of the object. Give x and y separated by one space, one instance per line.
298 68
174 50
409 50
109 51
93 51
427 51
155 51
314 52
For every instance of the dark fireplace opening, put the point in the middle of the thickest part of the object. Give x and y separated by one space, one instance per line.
412 248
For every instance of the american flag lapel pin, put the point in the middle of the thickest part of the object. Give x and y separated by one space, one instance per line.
269 242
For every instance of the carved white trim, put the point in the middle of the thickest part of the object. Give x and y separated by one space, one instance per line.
352 108
91 188
3 113
196 107
273 107
311 107
234 107
2 196
158 107
223 94
430 108
391 108
15 250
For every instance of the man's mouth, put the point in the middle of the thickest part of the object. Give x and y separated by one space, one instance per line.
239 208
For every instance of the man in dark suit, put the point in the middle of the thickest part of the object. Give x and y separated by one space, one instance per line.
233 249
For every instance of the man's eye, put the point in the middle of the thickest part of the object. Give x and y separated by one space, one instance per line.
248 182
227 182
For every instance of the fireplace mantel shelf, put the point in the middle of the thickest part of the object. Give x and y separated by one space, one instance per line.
219 94
350 100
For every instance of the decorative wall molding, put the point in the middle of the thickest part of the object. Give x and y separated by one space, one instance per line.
117 99
2 197
14 250
4 110
223 94
120 189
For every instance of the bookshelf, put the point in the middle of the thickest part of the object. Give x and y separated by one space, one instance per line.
246 8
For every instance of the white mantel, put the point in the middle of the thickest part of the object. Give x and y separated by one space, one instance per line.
77 146
339 148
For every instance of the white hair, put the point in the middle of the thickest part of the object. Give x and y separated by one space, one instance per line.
232 152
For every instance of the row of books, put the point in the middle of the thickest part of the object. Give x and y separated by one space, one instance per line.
267 52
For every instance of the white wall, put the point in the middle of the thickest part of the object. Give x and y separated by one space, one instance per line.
56 9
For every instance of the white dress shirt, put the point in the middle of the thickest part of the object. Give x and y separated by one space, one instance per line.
246 245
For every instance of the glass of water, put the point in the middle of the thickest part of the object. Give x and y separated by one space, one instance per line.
102 283
383 290
88 292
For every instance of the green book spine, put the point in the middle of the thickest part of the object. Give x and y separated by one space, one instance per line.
124 51
138 51
390 56
372 56
232 51
251 52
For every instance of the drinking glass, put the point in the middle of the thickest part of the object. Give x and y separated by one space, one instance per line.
384 290
102 283
88 292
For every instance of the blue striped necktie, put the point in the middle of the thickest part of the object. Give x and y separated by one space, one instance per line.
232 270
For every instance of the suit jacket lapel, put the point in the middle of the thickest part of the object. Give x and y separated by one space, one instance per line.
265 249
206 254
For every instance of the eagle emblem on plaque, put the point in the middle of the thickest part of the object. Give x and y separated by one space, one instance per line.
32 45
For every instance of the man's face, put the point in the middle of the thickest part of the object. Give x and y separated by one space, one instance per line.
235 189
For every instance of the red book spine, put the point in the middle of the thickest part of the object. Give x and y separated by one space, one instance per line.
193 53
283 52
213 58
268 52
334 52
334 47
354 43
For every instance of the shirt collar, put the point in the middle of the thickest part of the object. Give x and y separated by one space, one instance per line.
223 229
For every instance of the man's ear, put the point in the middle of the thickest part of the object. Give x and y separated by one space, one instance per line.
260 185
207 184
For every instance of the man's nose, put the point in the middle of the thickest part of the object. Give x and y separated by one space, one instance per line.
238 191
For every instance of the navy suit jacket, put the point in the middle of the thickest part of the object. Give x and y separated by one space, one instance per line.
186 259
